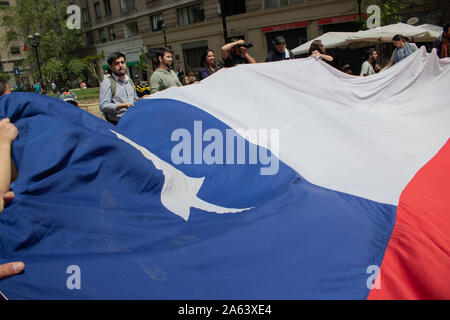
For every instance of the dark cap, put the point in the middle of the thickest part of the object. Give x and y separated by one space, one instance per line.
279 40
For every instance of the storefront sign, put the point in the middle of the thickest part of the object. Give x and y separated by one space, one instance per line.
287 26
341 19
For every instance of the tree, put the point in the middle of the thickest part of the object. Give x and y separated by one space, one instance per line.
52 70
4 76
390 10
142 63
76 69
93 64
48 18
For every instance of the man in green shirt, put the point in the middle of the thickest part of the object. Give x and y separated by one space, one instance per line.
164 77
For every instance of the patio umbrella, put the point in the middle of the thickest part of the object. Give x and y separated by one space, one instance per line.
423 33
386 33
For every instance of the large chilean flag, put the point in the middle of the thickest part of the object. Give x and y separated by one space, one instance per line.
357 207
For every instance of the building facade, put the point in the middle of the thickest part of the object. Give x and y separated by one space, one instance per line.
134 27
12 57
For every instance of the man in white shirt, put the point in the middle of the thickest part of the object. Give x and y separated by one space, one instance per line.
367 66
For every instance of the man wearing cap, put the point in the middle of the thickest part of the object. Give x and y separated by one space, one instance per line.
280 52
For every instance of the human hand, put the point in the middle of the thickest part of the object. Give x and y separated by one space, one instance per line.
125 105
11 269
8 132
5 198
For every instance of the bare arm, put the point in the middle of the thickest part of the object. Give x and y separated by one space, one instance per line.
323 56
228 47
8 133
327 57
8 171
388 66
247 56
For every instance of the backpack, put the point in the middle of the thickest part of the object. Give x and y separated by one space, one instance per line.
113 84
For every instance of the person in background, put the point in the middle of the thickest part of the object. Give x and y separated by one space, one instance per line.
106 74
190 78
280 52
164 77
235 53
117 92
346 69
403 49
442 43
317 50
67 96
367 66
53 87
208 65
4 86
37 87
180 73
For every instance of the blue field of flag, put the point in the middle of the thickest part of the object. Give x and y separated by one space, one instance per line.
87 198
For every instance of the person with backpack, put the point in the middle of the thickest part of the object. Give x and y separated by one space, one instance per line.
117 91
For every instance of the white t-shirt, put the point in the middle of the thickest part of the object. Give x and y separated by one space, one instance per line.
367 69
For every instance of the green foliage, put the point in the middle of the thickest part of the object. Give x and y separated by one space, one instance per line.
4 76
76 69
53 69
58 45
390 10
142 63
93 64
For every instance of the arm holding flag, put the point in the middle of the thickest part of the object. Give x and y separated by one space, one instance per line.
8 133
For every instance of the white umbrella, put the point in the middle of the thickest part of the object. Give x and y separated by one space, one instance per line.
434 30
329 40
423 33
386 33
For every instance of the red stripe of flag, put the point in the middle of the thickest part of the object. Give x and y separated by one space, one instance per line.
416 264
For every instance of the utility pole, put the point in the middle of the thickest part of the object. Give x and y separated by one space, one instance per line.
224 20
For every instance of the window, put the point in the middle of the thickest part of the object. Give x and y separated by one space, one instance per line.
278 3
90 38
4 4
112 34
191 14
101 36
131 29
85 13
233 7
156 22
126 5
98 11
15 50
192 53
107 4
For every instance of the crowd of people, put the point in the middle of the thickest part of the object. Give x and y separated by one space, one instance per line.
118 92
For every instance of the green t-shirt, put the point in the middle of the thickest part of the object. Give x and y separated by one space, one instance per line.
162 79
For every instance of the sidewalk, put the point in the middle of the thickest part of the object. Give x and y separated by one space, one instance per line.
91 106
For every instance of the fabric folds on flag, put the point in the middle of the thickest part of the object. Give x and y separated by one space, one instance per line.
111 202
